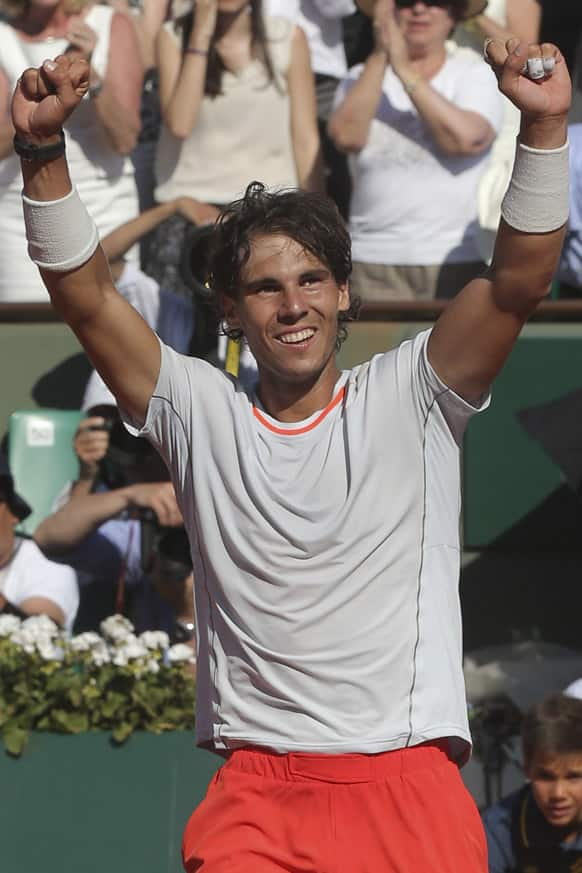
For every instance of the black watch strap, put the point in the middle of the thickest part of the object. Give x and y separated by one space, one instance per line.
30 152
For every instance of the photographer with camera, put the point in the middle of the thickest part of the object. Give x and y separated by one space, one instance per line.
538 829
106 523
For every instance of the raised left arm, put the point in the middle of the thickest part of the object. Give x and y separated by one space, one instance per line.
474 336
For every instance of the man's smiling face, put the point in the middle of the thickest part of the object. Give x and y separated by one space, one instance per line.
287 308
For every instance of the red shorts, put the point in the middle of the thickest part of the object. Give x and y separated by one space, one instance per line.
406 811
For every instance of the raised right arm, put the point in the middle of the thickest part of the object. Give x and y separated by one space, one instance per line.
118 341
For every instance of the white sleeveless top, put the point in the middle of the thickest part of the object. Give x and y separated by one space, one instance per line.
241 135
104 178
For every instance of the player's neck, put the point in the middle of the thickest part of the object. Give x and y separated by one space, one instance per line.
295 401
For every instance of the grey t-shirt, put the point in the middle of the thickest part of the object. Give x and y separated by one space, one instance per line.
326 556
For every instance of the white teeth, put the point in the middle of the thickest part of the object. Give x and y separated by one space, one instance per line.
298 337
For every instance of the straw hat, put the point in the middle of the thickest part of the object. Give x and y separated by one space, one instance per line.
471 7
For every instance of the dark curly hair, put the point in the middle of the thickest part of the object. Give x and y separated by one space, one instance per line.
312 220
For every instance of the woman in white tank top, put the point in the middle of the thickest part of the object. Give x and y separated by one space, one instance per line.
238 103
99 137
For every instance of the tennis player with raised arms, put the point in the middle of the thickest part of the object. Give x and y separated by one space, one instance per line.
323 506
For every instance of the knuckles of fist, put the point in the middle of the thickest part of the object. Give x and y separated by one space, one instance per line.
539 65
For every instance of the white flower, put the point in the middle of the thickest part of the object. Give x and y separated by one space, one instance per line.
19 638
120 658
48 651
38 626
8 624
117 628
153 666
86 641
134 648
100 655
180 652
155 639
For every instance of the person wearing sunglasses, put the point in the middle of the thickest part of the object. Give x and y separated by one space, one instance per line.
418 120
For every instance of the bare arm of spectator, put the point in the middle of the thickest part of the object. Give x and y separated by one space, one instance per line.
118 341
6 126
118 102
523 21
182 74
474 336
304 132
83 514
147 20
120 240
43 606
349 124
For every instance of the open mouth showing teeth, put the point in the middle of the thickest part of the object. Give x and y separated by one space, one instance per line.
299 336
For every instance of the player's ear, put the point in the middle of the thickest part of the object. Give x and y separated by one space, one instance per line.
344 297
228 304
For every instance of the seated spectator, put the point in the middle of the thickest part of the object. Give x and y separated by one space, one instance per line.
98 527
321 21
418 119
29 583
538 829
238 103
501 20
99 138
570 267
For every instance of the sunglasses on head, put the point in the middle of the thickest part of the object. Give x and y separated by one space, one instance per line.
408 4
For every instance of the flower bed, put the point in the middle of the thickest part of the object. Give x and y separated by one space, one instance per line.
116 681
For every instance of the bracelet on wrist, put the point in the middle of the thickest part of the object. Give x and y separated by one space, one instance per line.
410 85
196 51
29 151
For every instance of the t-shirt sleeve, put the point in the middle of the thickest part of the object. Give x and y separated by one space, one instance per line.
430 389
168 422
188 390
477 91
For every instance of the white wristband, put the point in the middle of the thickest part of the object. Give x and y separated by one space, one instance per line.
61 234
537 200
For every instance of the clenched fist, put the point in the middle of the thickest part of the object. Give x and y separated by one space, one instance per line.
45 97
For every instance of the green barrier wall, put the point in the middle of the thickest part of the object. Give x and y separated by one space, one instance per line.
29 355
76 804
509 479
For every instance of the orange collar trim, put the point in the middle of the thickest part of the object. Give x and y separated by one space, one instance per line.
288 431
